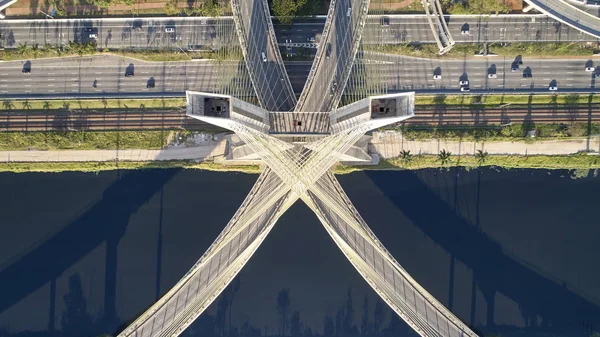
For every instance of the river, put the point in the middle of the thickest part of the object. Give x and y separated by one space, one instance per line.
511 252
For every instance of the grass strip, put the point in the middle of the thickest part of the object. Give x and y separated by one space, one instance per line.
490 133
83 140
494 100
582 163
9 105
462 50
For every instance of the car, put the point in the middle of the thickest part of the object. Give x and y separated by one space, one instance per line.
385 21
328 50
492 76
553 88
465 89
170 30
349 12
465 82
93 36
590 69
527 75
437 77
129 73
465 32
264 57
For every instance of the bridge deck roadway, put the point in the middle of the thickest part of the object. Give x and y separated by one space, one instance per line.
335 57
569 14
262 56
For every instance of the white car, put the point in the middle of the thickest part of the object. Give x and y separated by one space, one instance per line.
552 88
437 77
492 76
264 57
169 30
93 36
349 12
465 82
465 89
589 69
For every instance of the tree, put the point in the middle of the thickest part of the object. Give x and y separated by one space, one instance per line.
285 10
8 105
46 105
295 325
283 305
328 327
481 156
22 48
444 156
171 8
364 328
406 156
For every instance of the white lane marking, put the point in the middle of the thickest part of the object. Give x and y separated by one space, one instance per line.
51 90
28 85
50 85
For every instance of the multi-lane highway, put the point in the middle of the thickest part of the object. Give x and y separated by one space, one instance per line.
198 32
565 12
75 76
262 55
409 73
115 33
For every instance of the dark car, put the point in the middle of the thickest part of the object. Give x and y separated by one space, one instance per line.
385 21
328 51
26 68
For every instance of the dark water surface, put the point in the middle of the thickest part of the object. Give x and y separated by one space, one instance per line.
510 252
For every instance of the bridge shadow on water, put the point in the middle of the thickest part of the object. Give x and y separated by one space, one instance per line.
546 306
106 221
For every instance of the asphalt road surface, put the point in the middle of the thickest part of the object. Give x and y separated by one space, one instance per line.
564 11
195 32
262 57
75 76
409 73
113 33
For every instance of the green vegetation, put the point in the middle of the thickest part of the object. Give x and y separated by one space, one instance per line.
515 132
475 7
122 165
462 50
83 140
202 8
25 51
286 10
14 105
497 100
579 163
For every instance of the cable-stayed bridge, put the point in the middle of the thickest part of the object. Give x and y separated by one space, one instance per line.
298 150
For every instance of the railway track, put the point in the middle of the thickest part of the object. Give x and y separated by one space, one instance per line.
173 120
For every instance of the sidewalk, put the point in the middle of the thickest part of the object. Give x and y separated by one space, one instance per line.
390 144
200 153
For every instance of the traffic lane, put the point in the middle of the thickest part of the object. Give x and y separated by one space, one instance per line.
571 15
79 76
110 34
418 74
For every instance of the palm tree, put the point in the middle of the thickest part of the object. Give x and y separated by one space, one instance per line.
8 105
35 48
444 156
22 48
406 156
26 105
481 156
46 105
